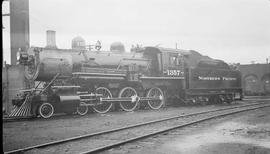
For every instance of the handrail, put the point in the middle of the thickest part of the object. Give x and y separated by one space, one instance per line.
54 78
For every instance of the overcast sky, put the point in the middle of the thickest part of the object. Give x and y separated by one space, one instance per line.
231 30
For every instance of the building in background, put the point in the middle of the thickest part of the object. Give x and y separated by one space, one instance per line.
255 79
13 78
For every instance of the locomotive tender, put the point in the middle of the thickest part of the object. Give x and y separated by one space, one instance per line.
76 79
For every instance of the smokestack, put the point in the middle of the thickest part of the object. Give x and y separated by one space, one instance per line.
51 43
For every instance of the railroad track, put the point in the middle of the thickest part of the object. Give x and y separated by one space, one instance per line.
61 115
104 140
11 119
30 118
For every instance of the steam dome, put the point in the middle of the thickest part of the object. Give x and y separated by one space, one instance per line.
117 47
78 43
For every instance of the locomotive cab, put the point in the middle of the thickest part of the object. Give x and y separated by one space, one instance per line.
165 62
156 61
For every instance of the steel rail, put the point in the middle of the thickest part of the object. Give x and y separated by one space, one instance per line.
125 127
113 145
28 118
9 119
17 118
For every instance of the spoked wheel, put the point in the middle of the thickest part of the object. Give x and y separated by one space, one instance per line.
128 92
82 109
103 107
155 93
46 110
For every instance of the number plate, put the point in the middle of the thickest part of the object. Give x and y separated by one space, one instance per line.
174 73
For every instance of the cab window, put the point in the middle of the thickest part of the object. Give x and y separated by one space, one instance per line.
173 61
178 61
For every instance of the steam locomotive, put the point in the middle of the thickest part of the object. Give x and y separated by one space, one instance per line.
76 79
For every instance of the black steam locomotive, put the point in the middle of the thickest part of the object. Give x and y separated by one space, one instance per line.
75 79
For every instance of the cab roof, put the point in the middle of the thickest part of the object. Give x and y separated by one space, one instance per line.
166 50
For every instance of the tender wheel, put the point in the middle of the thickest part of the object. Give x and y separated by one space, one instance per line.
82 109
217 99
155 93
229 99
103 107
203 100
46 110
128 92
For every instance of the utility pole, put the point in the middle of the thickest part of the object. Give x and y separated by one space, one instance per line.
19 27
3 27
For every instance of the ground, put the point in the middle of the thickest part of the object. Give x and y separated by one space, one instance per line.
25 133
253 127
245 133
248 133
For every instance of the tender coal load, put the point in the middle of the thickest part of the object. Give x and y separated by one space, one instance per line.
194 59
214 64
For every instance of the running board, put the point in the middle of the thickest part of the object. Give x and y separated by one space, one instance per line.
131 99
